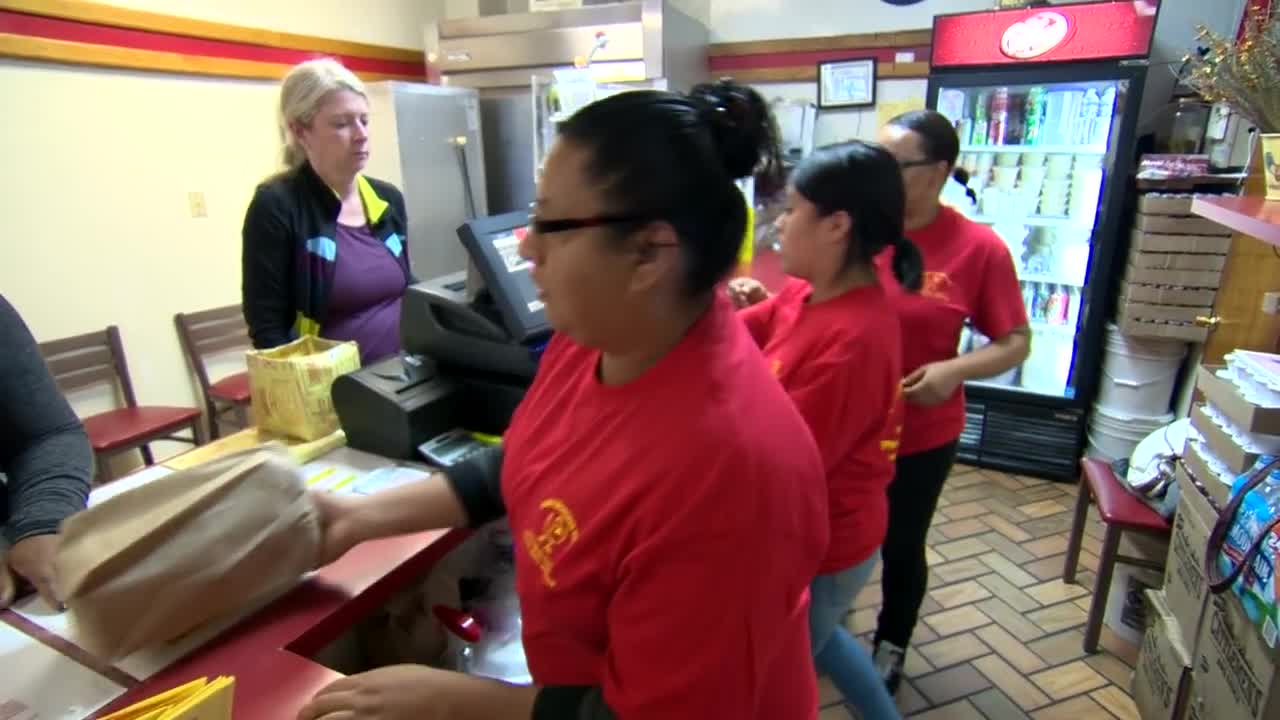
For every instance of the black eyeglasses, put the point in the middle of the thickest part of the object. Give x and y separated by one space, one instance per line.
546 227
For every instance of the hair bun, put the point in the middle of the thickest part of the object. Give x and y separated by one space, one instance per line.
740 124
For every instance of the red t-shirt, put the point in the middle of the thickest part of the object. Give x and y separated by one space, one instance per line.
667 530
841 363
968 274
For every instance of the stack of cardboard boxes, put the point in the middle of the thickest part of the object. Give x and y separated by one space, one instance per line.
1175 267
1202 657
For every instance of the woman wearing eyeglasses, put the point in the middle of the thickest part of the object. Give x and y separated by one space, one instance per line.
667 499
969 274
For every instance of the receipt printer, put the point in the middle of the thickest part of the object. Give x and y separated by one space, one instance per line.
470 350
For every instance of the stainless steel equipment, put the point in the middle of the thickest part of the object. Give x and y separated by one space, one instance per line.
427 139
643 42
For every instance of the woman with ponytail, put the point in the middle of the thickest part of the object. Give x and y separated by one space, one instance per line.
318 209
669 498
968 276
832 338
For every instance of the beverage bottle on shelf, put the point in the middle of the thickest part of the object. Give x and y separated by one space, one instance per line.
1033 124
1042 302
1102 125
1014 124
999 123
1088 117
1053 308
1073 307
1029 296
978 133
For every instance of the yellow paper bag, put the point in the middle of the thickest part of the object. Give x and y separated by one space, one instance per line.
290 385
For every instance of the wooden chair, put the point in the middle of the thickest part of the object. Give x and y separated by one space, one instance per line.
207 333
98 358
1121 512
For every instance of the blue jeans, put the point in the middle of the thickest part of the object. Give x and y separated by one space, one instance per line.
839 655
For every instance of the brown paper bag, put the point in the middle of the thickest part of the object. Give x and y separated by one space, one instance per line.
289 386
155 562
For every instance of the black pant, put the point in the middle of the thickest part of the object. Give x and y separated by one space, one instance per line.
913 496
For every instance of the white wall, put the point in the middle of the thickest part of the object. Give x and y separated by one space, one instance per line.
98 166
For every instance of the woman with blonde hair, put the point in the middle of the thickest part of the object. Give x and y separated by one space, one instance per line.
325 249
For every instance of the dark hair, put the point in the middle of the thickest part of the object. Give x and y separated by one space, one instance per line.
769 172
673 157
939 140
864 180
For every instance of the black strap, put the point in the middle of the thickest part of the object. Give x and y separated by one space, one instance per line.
1218 583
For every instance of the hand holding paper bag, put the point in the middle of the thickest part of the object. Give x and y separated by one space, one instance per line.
157 561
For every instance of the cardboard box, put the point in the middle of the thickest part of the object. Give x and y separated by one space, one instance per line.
1193 456
1183 314
1224 396
1176 261
1176 278
1165 331
1179 225
1157 295
1185 589
1223 446
1165 203
1162 679
1236 673
1162 242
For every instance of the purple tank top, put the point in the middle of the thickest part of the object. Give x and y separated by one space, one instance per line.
364 302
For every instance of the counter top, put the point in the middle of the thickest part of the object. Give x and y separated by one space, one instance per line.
269 651
1247 215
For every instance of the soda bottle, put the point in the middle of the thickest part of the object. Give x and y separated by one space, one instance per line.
1102 124
1088 117
1033 125
999 116
1029 297
978 133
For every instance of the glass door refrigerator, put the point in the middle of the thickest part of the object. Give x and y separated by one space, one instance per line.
1045 101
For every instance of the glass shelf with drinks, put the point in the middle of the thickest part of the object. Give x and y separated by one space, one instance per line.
1046 149
1063 115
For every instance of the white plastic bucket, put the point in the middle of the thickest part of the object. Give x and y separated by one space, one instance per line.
1114 436
1138 375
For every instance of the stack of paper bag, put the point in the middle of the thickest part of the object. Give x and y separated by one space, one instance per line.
197 700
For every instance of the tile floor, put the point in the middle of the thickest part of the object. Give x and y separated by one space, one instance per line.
1000 634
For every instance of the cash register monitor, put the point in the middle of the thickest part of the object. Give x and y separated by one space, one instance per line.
493 244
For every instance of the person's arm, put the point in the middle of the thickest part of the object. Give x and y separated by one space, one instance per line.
1001 315
468 494
267 272
759 320
44 452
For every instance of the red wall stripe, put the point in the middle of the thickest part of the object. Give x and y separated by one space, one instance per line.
91 33
813 57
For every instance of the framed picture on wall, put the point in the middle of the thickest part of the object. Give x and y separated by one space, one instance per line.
847 83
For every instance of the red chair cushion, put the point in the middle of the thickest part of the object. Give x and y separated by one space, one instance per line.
1116 504
234 388
125 427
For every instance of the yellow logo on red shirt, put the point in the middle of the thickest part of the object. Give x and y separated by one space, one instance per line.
936 285
559 532
775 367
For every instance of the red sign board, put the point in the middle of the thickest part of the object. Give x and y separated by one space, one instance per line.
1057 33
